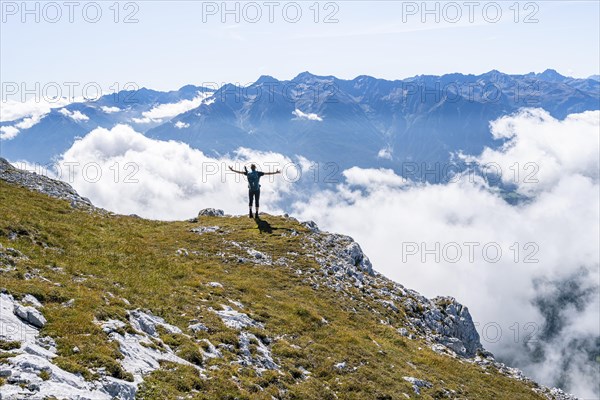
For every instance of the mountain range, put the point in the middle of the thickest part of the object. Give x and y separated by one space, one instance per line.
366 122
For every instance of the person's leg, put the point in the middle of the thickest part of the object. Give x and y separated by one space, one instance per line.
250 196
257 197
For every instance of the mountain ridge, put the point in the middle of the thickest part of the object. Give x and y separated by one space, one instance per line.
209 299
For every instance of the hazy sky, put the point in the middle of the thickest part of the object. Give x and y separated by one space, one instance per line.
179 42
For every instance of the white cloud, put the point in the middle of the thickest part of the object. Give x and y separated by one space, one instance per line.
8 132
164 180
110 110
169 110
144 120
371 178
308 116
11 110
29 112
74 115
530 148
385 153
27 123
181 125
558 225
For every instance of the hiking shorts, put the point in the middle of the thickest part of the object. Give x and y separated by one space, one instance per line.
253 194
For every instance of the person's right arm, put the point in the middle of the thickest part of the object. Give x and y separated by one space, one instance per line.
239 172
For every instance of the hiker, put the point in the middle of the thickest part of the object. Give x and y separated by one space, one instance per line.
253 185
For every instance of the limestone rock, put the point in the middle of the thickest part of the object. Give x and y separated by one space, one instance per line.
30 315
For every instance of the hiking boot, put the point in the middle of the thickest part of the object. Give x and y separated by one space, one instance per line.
250 214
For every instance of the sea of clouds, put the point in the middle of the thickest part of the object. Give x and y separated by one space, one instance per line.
527 269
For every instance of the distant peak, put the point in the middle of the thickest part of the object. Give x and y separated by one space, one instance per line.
364 78
307 76
303 75
551 75
493 72
265 79
551 72
188 87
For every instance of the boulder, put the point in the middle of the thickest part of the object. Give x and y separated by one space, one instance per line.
30 315
211 212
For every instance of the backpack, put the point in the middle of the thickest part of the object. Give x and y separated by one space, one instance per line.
253 178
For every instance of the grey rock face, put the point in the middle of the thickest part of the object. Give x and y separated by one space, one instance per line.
453 322
358 258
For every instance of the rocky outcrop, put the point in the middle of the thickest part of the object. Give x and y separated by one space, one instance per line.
39 183
442 320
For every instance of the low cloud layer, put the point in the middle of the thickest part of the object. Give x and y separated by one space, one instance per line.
527 268
126 172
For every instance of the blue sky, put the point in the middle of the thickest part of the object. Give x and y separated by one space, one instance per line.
176 43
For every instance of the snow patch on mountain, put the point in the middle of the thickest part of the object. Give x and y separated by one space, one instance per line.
307 116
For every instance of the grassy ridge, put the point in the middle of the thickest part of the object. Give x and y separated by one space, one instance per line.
99 259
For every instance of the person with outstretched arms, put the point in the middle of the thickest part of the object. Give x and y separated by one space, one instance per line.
253 186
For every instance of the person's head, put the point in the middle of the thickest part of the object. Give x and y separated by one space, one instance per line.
253 167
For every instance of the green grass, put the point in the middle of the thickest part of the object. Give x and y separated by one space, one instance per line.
85 255
8 345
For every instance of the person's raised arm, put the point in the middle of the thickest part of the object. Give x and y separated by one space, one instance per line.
239 172
272 173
